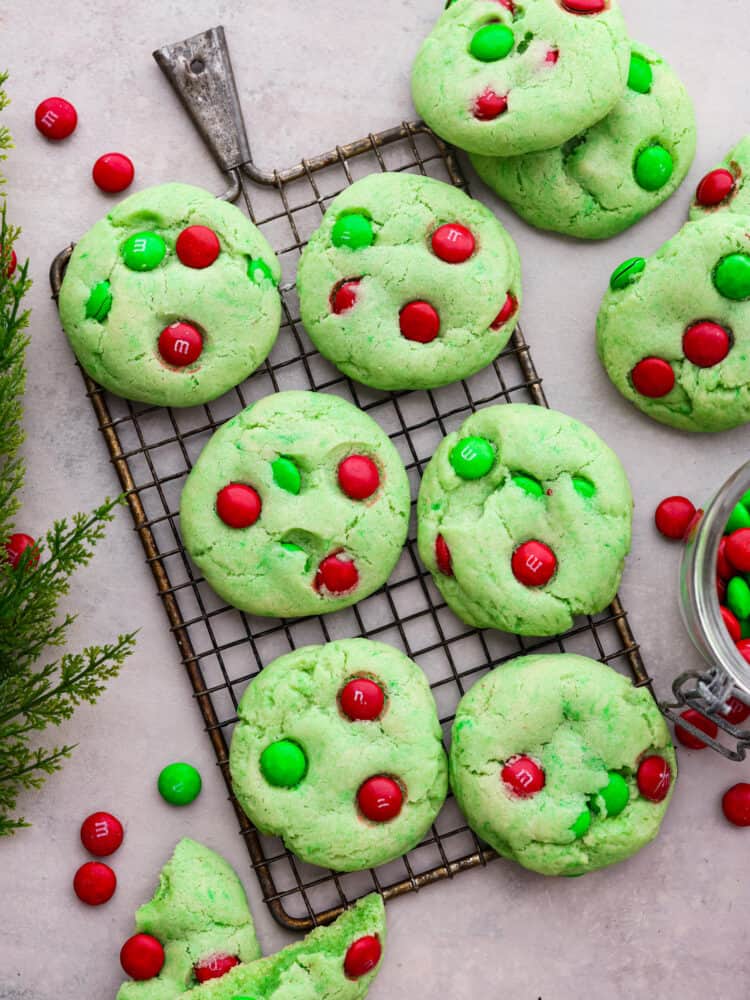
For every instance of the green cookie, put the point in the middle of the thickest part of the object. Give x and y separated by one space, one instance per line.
725 187
524 520
674 329
313 732
504 79
544 763
409 283
327 965
266 515
199 913
153 314
608 177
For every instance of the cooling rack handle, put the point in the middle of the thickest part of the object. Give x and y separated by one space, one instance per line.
200 72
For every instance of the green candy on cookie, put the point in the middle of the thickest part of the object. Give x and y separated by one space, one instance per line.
505 79
338 751
172 299
409 283
608 177
559 763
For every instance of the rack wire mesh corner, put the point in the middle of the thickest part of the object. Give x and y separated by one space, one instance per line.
153 449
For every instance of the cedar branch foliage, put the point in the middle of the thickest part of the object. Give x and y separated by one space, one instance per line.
33 695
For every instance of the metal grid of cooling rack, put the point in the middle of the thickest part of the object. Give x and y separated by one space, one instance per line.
153 449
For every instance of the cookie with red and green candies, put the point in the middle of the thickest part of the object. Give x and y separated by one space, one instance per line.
338 751
172 299
409 283
524 520
502 78
200 918
338 962
298 505
608 177
673 330
724 188
559 763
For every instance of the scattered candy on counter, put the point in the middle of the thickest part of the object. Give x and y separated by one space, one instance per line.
142 957
17 545
56 118
699 722
101 834
674 516
94 883
113 172
736 804
179 784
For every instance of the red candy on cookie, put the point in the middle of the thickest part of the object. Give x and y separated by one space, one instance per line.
524 776
419 321
533 564
654 778
238 505
443 556
336 575
142 957
509 308
214 967
489 106
453 243
653 377
358 477
197 247
380 799
344 296
362 956
180 344
706 344
715 188
584 6
362 700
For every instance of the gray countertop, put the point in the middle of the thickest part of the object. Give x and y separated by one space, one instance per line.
672 921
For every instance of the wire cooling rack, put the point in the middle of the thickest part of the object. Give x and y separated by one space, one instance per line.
153 450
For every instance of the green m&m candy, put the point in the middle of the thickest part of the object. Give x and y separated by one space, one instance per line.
283 764
286 475
616 794
739 518
258 271
584 487
179 784
640 76
353 230
653 168
99 302
472 457
738 597
528 485
492 42
732 277
143 251
628 272
581 826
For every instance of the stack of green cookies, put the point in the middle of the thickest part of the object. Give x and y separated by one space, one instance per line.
578 128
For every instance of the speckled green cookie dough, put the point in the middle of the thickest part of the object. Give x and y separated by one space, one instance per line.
673 331
297 506
545 758
198 912
726 187
608 177
338 751
325 966
503 80
172 298
409 283
524 520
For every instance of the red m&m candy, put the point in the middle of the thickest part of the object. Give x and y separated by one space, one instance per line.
380 799
653 377
552 56
197 246
214 967
113 172
509 308
706 344
732 624
524 776
699 722
584 6
453 243
362 956
101 834
736 711
443 556
723 568
344 296
56 118
715 188
358 477
736 804
654 778
419 321
238 505
738 549
180 344
362 699
743 648
489 106
12 264
142 957
336 575
533 564
94 883
674 516
16 546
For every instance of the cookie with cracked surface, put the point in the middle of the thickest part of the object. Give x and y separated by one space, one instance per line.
338 751
725 188
299 505
673 330
409 283
171 299
505 78
524 519
200 915
561 764
338 962
606 178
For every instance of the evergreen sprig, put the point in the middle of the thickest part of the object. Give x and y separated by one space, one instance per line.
34 696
